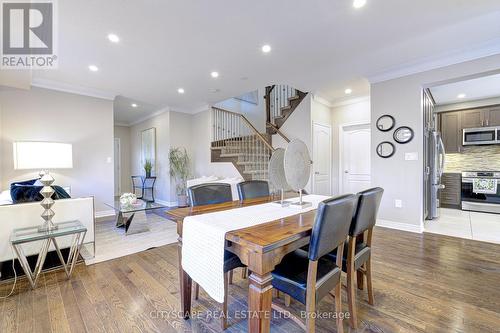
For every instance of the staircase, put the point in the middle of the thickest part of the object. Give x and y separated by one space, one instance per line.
237 141
281 101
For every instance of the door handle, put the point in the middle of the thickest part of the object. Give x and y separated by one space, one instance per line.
346 171
316 173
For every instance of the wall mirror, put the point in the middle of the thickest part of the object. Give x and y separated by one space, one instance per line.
385 123
385 149
403 134
148 147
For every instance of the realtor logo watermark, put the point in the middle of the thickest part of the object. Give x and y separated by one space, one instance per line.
28 35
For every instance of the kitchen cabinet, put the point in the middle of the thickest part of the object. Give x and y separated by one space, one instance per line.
473 118
451 131
451 195
493 116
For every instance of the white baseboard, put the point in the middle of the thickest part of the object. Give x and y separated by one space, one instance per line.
167 203
400 226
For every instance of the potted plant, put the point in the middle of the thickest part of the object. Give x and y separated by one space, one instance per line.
148 166
180 171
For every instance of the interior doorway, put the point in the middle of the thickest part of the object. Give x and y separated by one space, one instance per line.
117 167
322 156
355 161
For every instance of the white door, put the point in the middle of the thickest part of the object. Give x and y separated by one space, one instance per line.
355 166
322 157
117 167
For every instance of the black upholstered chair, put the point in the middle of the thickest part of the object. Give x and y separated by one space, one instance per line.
215 193
253 189
209 194
310 276
357 252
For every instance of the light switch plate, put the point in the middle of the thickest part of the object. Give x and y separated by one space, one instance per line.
109 160
413 156
398 203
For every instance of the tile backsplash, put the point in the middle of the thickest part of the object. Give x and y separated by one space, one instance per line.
474 158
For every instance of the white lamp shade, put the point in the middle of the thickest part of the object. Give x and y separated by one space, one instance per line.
42 155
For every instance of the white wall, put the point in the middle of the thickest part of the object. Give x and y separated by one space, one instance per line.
355 111
123 133
402 98
46 115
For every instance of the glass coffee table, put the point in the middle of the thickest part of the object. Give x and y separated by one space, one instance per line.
133 213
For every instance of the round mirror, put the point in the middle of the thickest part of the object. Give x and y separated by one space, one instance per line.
385 149
385 123
403 134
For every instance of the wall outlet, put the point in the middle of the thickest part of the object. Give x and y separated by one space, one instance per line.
411 156
398 203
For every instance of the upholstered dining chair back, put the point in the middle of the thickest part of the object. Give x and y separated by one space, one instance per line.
331 227
253 189
209 194
365 216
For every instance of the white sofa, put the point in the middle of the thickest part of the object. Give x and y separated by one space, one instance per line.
214 179
28 214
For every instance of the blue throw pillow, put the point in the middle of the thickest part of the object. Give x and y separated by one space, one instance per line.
24 192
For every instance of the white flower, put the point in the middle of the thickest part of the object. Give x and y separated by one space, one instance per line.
128 199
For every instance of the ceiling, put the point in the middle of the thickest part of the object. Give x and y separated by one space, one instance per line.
320 46
474 89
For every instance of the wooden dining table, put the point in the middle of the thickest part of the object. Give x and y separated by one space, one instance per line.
260 248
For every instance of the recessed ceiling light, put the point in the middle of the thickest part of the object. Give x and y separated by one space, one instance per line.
358 3
266 48
93 68
113 38
134 105
461 95
180 91
348 91
214 74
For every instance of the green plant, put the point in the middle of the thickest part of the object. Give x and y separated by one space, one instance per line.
179 168
148 166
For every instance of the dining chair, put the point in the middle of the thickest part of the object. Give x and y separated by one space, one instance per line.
309 276
209 194
357 254
253 189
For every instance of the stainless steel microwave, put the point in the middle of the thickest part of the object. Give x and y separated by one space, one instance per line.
481 136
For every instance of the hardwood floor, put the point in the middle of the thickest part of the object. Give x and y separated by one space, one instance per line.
422 283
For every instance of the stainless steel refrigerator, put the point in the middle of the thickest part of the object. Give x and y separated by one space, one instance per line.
435 171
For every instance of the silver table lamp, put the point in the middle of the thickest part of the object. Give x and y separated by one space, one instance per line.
29 155
297 163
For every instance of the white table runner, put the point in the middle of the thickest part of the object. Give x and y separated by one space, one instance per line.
203 239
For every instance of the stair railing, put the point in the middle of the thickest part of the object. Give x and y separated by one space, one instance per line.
236 136
278 97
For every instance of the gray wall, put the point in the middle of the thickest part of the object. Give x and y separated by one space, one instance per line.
402 98
47 115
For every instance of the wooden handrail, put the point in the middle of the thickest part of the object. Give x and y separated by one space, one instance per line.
278 131
256 132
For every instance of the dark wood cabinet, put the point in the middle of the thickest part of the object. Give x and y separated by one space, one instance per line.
451 130
472 118
451 196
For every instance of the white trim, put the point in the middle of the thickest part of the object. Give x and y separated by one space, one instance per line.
467 105
204 107
167 203
118 140
73 89
122 124
350 101
400 226
104 213
341 150
322 100
330 150
155 114
489 48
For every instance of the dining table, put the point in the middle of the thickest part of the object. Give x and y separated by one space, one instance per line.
260 247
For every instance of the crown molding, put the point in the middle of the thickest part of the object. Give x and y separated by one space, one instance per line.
73 89
350 101
154 114
487 49
122 124
322 100
196 110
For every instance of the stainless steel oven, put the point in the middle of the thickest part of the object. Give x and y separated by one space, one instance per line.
480 202
481 136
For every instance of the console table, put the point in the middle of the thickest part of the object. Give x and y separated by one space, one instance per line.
22 236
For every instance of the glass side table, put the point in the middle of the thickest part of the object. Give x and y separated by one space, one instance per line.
22 236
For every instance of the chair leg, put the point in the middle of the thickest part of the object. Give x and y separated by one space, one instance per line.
224 305
231 277
338 307
359 279
369 286
196 290
351 296
287 300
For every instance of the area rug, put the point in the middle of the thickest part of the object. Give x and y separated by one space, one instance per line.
111 242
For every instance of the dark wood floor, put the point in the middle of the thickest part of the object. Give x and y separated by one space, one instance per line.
423 283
